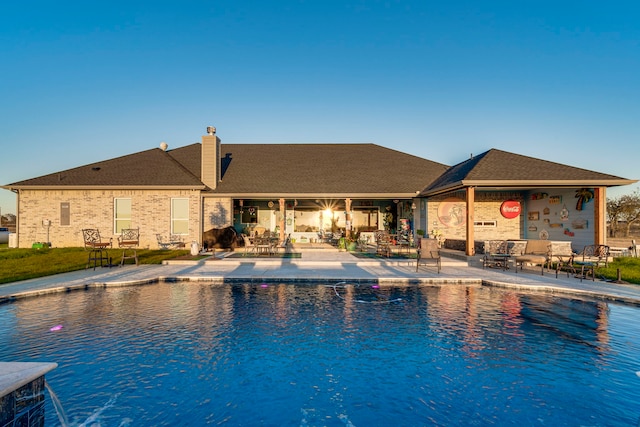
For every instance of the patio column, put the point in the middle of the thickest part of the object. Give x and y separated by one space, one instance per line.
470 244
281 221
347 204
599 215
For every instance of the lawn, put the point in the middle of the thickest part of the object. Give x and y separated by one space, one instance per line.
629 270
22 264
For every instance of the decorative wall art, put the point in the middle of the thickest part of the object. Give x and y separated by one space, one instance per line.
452 212
584 195
580 224
555 200
533 216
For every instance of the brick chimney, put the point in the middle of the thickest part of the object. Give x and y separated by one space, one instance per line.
210 166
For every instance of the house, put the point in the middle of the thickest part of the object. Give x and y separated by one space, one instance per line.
307 190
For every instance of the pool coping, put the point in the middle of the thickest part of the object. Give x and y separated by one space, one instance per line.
319 267
391 281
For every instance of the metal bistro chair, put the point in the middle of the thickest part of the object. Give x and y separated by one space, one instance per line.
97 247
129 239
591 257
249 246
383 243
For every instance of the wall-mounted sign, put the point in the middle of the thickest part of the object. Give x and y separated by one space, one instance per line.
510 209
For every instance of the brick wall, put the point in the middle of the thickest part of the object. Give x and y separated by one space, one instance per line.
150 211
486 208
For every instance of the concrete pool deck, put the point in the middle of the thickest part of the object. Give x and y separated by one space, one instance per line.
321 265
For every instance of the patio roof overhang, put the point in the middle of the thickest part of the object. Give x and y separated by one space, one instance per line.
523 185
315 195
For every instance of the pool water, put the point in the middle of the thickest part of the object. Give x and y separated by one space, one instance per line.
172 354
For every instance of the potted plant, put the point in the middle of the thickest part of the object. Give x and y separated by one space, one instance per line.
437 234
352 243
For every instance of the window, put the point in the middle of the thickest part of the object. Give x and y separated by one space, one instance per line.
65 213
121 214
485 224
365 219
179 216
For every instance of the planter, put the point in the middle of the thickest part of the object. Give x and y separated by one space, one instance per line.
352 246
342 243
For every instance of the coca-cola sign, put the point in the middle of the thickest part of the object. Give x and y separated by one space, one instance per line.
510 209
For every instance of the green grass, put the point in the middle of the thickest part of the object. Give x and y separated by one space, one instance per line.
629 270
22 264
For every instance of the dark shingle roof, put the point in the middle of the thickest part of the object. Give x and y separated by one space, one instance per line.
150 168
318 169
501 168
324 169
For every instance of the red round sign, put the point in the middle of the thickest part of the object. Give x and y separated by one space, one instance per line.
510 209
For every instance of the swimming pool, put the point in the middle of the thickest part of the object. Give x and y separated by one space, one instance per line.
309 355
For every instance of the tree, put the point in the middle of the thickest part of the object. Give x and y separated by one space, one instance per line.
614 212
623 209
631 210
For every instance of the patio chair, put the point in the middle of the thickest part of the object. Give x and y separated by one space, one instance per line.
563 256
383 243
591 257
172 242
97 247
429 253
129 239
248 244
281 244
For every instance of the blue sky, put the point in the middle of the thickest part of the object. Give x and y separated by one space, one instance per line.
88 81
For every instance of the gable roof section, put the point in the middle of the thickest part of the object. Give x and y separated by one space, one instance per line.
323 170
189 157
497 168
151 168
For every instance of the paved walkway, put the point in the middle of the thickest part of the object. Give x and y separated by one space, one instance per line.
324 265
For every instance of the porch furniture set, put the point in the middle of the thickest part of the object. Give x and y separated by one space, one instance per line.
546 254
128 241
265 244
